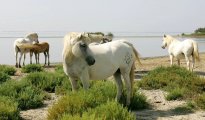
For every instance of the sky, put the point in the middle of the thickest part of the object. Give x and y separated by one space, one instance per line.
102 15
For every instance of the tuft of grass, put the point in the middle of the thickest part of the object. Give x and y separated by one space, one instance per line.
200 101
59 68
4 77
32 68
176 93
7 69
8 109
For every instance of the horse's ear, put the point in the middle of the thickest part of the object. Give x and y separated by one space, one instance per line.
165 35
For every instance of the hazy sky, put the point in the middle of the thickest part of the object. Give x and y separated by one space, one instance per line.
102 15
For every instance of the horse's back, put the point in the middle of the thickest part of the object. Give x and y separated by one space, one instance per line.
109 58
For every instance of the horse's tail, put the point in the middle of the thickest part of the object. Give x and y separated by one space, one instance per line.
135 51
195 52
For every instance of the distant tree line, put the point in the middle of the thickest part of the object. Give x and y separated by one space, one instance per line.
200 30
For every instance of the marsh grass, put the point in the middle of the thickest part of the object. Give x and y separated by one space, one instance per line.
32 68
25 95
8 109
177 81
46 81
7 69
3 77
100 92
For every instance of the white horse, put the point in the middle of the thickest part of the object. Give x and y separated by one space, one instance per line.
181 49
29 39
98 62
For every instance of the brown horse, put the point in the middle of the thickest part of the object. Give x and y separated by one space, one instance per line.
36 48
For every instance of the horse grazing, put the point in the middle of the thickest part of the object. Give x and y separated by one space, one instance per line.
97 62
181 49
29 39
36 48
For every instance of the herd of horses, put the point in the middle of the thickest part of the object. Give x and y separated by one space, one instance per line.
96 57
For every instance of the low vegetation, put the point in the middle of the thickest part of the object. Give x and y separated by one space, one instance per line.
32 68
8 109
7 69
3 77
178 82
79 103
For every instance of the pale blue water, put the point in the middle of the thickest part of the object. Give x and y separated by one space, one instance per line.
147 46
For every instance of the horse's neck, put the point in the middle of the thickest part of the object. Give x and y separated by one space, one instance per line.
173 41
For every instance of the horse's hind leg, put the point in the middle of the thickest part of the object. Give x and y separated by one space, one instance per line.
187 62
20 60
118 80
16 59
193 63
48 58
24 59
171 59
127 80
31 54
45 55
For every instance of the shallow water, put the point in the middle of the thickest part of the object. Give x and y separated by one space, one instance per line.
146 46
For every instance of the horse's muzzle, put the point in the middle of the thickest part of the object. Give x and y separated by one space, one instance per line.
90 60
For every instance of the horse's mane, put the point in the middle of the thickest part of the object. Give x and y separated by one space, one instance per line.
32 36
169 38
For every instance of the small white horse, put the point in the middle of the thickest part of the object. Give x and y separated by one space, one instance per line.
98 62
181 49
29 39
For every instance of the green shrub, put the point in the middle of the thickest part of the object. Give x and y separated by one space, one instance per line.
7 69
111 111
45 80
30 97
32 68
76 103
8 109
169 78
175 94
107 111
4 77
27 96
73 104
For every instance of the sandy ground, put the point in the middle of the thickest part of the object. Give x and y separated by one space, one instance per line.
160 108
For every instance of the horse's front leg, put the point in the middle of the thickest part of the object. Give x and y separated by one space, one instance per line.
73 83
85 79
171 59
118 80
